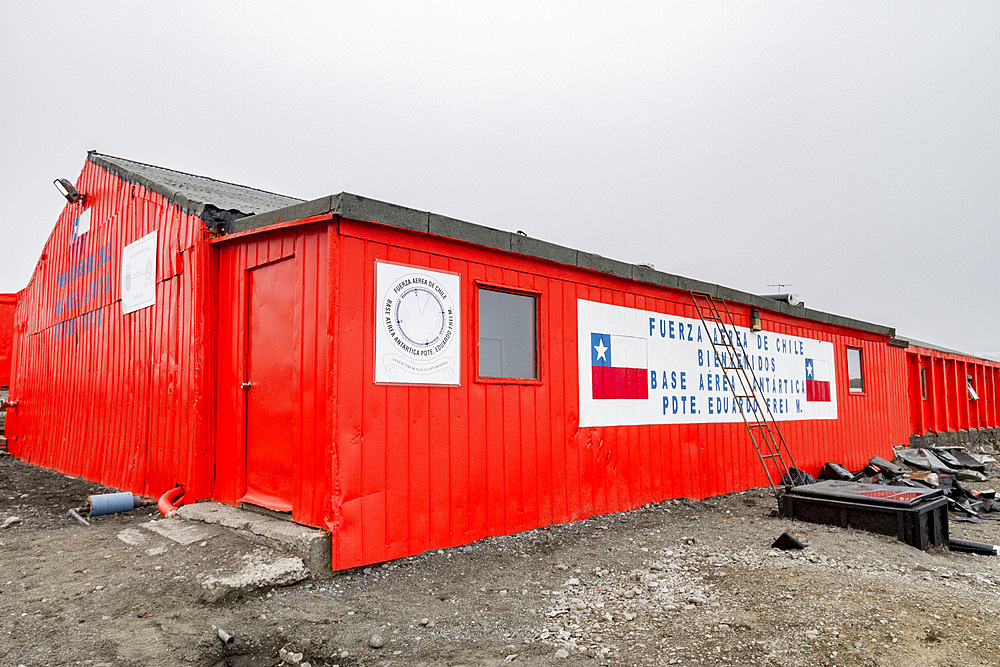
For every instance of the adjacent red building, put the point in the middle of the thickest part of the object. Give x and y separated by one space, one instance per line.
410 381
950 391
8 302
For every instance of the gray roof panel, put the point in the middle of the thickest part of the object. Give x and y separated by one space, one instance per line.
932 346
193 193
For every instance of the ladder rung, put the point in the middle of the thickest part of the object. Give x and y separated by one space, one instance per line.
770 456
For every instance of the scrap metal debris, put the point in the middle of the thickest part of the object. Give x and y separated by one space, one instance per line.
796 477
933 468
924 459
788 541
831 470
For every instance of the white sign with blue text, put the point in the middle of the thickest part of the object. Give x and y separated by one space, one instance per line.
643 367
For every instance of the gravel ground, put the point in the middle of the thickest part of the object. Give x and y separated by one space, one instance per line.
678 582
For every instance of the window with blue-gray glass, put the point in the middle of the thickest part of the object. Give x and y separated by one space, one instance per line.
855 371
508 345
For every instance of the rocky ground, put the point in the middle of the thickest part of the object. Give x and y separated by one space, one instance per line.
678 582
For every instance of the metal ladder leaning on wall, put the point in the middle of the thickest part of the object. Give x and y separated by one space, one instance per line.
731 357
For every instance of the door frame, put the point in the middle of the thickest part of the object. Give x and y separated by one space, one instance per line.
245 395
235 263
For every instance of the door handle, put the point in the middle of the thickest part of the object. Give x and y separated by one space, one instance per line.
245 385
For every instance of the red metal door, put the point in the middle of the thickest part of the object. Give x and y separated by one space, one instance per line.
271 385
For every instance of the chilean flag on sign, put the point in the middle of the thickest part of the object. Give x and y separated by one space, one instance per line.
618 365
817 380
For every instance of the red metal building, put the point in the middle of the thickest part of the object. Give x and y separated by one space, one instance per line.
8 302
950 391
124 399
406 380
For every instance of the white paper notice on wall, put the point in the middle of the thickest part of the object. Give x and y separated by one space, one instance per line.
417 325
644 367
139 274
81 225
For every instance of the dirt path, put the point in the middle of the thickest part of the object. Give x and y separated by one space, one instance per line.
678 582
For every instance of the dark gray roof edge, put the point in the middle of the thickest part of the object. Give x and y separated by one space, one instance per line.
939 348
307 209
112 164
355 207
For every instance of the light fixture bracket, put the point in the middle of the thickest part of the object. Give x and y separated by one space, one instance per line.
69 191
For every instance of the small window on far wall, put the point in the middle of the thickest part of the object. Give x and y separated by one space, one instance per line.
923 383
973 396
855 374
507 335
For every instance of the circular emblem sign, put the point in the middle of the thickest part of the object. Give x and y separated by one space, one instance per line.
419 315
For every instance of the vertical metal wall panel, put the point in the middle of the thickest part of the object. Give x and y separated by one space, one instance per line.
937 406
990 408
98 391
994 383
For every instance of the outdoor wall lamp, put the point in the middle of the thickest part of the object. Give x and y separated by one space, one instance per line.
67 190
755 320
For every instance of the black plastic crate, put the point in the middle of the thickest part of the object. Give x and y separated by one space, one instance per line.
918 517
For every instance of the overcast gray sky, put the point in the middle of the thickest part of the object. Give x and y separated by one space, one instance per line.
851 149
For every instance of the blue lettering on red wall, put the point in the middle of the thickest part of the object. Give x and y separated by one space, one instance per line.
80 323
85 283
82 267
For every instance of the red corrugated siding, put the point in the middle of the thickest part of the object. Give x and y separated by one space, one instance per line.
112 397
947 406
423 467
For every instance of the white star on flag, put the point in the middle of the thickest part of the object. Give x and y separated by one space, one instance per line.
601 350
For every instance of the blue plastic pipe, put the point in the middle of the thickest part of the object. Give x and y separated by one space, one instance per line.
110 503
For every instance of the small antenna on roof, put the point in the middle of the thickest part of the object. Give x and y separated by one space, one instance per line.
781 286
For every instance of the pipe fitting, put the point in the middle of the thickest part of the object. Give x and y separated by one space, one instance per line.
75 513
170 501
